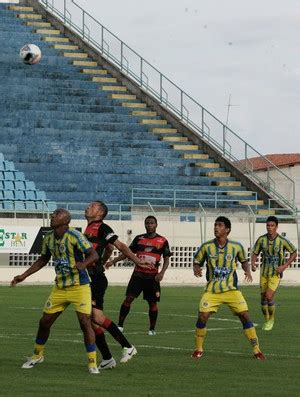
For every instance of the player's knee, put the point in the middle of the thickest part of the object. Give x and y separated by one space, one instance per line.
85 322
128 300
98 317
95 326
153 306
269 296
203 317
46 321
244 317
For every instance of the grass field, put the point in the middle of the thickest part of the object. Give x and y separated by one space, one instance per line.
163 366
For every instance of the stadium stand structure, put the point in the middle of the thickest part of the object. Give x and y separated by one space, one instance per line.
82 134
19 194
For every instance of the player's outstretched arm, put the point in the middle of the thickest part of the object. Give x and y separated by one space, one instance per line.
107 253
129 254
35 267
119 258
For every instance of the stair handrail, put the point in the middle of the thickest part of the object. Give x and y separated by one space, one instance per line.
176 196
199 128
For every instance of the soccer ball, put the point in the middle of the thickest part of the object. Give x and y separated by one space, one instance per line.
30 54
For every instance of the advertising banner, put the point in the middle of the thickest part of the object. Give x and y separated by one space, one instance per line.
17 238
23 239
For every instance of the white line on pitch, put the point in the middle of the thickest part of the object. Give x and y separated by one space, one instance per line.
170 348
181 331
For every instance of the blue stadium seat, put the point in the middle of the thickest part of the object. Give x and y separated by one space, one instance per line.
8 205
19 195
19 205
30 205
51 205
40 195
1 157
1 195
2 166
40 205
19 176
19 185
29 185
30 195
8 195
8 185
9 166
9 175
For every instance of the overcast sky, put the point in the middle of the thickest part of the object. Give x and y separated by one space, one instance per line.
216 48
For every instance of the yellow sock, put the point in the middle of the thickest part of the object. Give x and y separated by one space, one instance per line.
265 310
199 337
38 350
92 359
271 310
250 333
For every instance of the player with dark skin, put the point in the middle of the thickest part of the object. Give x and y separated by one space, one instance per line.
59 222
151 247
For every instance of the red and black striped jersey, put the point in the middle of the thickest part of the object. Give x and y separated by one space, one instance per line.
151 249
100 235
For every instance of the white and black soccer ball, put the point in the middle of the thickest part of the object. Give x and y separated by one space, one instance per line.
30 54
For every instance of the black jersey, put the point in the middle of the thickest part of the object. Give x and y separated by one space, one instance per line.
100 235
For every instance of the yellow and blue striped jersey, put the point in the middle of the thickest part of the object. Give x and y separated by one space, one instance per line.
273 253
65 252
221 264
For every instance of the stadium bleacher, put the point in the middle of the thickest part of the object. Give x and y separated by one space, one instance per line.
78 134
17 193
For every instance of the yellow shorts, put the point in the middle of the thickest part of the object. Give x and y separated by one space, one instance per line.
234 299
61 298
271 282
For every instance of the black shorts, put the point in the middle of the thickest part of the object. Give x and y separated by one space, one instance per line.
98 287
144 282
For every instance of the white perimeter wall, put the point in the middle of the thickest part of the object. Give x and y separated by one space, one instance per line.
179 234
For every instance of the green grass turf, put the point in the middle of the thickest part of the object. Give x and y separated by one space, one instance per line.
163 366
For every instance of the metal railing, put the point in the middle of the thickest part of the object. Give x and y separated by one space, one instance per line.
127 212
119 212
189 197
208 127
